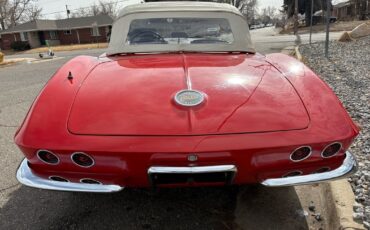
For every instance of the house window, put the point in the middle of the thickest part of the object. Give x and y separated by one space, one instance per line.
94 31
67 32
53 35
24 36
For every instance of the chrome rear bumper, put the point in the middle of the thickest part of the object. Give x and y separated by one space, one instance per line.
26 177
348 167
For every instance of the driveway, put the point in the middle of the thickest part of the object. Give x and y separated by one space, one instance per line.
21 207
267 40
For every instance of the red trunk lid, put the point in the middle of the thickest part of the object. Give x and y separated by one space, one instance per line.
133 95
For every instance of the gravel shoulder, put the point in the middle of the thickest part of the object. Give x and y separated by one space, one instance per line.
347 72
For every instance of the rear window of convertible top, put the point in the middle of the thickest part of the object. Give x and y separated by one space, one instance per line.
180 31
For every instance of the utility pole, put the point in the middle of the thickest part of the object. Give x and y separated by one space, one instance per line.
311 21
327 28
296 17
68 11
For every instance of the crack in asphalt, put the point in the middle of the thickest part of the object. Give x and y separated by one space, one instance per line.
9 187
13 104
8 126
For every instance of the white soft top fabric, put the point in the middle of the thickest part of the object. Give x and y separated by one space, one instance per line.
178 6
239 26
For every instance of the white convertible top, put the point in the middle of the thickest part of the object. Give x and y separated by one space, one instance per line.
178 6
239 26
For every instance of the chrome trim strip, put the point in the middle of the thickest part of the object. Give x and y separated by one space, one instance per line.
26 177
334 153
348 167
194 169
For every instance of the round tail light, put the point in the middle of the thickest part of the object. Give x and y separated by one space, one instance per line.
58 178
82 159
300 153
293 173
331 150
47 157
89 181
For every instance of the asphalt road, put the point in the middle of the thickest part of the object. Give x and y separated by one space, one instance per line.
246 207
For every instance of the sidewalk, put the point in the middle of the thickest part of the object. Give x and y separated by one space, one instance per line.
60 48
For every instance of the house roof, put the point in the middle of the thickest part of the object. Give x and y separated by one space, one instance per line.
341 3
62 24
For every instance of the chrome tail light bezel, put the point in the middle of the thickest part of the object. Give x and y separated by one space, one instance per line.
50 152
336 153
62 179
82 153
322 170
90 179
286 175
304 146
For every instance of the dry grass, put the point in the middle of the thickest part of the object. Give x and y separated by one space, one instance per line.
67 48
5 63
12 61
338 26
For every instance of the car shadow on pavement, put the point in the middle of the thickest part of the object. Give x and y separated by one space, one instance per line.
245 207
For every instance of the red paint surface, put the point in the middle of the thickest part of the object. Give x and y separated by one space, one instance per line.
132 96
257 111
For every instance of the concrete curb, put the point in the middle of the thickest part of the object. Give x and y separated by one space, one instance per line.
12 61
340 200
298 54
337 197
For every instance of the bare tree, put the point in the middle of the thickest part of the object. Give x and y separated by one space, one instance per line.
83 12
13 12
269 11
58 16
3 13
103 7
248 8
108 8
32 13
268 14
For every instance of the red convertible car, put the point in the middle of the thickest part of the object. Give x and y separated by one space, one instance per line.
181 98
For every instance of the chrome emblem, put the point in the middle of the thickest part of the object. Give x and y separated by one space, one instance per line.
189 97
192 158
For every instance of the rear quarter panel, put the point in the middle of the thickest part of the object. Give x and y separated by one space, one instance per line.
326 112
50 109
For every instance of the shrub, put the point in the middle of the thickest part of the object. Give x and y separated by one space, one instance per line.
20 46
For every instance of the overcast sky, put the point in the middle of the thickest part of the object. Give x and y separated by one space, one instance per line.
52 8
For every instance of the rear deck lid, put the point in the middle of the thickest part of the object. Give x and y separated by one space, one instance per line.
135 96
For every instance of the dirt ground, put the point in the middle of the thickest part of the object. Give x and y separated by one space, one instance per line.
337 26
